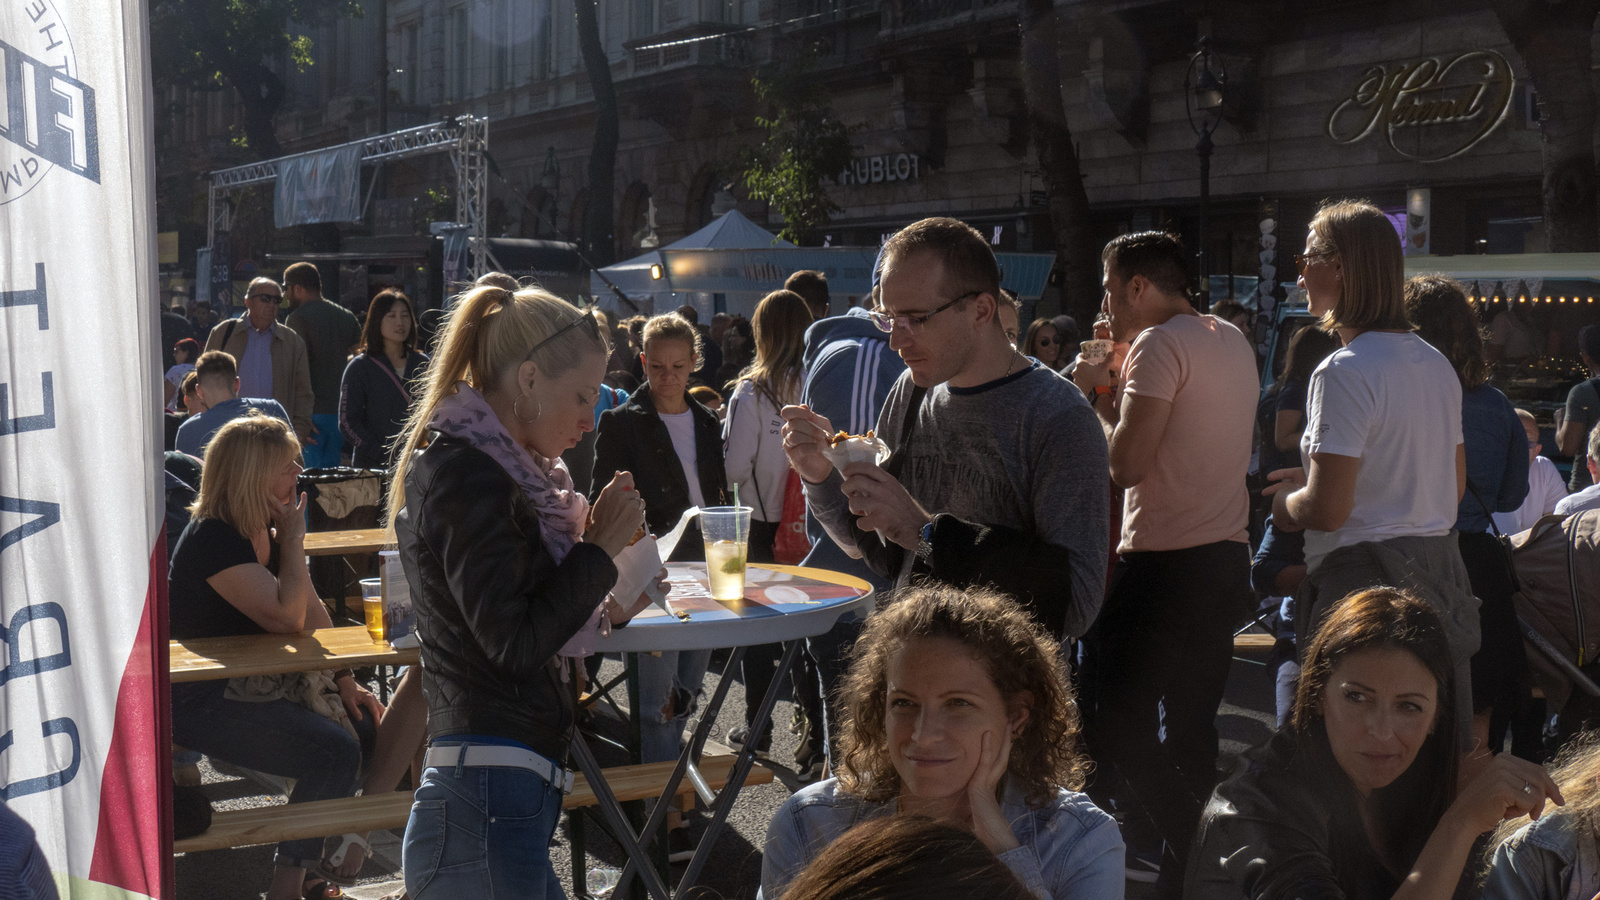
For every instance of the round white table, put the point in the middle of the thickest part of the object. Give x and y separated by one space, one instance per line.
781 604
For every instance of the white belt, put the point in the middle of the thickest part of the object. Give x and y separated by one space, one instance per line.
507 757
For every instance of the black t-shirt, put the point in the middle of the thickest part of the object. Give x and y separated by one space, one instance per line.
207 547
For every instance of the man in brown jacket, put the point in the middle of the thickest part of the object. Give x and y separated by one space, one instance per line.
272 358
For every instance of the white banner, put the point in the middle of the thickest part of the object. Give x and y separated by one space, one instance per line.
321 186
82 570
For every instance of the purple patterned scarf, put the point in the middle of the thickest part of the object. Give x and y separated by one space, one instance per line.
546 482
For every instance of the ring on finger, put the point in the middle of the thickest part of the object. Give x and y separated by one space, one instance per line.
1527 787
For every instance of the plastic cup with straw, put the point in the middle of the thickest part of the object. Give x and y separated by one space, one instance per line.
726 530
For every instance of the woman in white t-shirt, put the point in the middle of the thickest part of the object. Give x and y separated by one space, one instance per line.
1382 451
185 352
673 447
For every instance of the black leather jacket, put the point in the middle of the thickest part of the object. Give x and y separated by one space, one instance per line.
1272 832
492 605
633 438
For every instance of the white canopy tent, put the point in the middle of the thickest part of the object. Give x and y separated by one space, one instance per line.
730 231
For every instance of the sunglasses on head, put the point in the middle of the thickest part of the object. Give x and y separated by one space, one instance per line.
584 319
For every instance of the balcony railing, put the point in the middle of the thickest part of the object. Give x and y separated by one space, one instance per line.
714 50
915 13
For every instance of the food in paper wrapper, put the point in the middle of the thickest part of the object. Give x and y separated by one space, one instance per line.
854 448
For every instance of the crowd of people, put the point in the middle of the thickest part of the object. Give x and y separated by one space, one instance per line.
1061 539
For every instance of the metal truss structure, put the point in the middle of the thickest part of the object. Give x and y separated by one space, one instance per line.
465 138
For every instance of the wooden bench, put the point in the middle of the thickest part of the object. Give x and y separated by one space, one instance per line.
321 818
1253 643
341 543
204 659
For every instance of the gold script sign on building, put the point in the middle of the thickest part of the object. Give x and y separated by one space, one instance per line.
1429 109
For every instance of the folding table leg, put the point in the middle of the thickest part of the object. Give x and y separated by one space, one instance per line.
741 769
622 833
690 755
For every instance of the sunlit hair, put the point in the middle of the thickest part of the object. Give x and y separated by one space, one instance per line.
969 263
487 334
217 367
1576 771
1020 657
779 324
1156 255
1030 341
671 327
499 280
812 286
189 347
191 384
372 342
906 858
1307 349
1404 812
1368 248
1594 445
241 461
1438 307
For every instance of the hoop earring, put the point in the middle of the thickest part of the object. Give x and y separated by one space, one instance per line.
515 411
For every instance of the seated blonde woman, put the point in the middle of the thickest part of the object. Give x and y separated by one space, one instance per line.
240 568
958 709
1556 855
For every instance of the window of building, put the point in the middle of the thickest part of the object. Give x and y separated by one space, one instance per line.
504 44
411 61
458 48
542 46
642 18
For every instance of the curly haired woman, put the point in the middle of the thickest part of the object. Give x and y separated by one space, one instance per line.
959 710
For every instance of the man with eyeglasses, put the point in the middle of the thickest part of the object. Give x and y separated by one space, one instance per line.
272 358
998 472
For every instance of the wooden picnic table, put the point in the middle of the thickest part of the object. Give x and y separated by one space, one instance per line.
206 659
338 543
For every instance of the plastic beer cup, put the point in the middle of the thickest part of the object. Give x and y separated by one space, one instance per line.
372 606
726 530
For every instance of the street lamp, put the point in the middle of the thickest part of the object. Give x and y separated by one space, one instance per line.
1203 85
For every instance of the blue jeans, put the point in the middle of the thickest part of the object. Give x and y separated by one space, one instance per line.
329 446
674 676
279 737
481 832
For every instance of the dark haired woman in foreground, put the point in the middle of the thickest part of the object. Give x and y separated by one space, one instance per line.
1357 797
959 710
907 858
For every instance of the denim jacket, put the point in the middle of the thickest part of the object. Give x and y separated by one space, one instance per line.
1554 858
1068 849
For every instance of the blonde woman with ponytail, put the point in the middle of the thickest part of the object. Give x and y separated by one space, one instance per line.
507 564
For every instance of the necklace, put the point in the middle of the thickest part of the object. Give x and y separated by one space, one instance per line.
1011 365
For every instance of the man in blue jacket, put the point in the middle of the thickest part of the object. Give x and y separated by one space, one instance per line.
849 370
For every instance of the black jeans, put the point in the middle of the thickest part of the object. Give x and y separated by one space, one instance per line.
1153 672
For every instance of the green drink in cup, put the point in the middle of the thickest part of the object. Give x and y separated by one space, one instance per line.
727 534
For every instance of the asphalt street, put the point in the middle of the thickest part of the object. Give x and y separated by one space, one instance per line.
734 870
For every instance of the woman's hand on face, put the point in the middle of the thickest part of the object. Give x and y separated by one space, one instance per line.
358 701
617 515
988 822
289 521
1509 788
